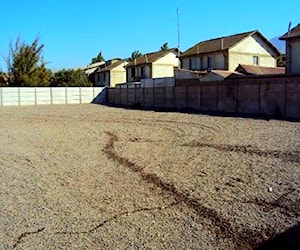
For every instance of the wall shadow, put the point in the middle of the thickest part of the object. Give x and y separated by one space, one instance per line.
101 98
138 106
288 240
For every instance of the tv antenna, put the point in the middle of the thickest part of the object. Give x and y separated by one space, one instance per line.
178 28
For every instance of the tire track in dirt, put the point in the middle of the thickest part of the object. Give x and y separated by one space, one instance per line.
291 156
224 228
286 206
115 217
25 234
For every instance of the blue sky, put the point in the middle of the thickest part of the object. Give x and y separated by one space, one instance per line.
75 31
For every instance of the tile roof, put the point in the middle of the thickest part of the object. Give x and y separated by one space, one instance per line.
257 70
226 73
294 33
111 66
149 57
215 44
224 43
219 75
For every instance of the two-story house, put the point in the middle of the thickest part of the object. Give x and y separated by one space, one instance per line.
226 53
91 69
292 38
153 65
112 73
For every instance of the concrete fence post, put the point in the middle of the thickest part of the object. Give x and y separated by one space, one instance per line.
80 100
285 98
1 97
19 96
35 96
186 96
51 96
127 101
174 96
217 86
165 98
144 96
66 95
259 97
236 96
201 96
153 94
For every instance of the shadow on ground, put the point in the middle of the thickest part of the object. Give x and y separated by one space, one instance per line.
288 240
100 99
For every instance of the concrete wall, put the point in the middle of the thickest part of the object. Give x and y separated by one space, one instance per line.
43 95
277 96
157 82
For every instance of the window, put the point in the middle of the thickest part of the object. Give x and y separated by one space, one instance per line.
142 72
255 60
133 72
208 62
201 63
194 62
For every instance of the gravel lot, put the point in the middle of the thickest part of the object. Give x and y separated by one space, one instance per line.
94 177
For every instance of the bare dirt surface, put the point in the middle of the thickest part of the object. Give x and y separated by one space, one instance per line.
94 177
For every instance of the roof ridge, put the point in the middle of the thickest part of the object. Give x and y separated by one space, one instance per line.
238 34
159 51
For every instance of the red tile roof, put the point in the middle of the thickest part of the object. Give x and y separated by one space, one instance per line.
257 70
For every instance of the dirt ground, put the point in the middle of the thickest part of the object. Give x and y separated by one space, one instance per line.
94 177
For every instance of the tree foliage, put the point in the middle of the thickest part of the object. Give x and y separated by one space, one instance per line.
135 54
70 78
25 64
281 60
98 58
164 47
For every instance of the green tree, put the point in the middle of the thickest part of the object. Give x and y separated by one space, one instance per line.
70 78
98 58
25 64
135 54
281 61
164 47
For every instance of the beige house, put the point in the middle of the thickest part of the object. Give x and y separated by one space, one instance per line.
153 65
112 73
292 39
226 53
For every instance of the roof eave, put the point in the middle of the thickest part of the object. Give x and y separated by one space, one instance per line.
206 53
